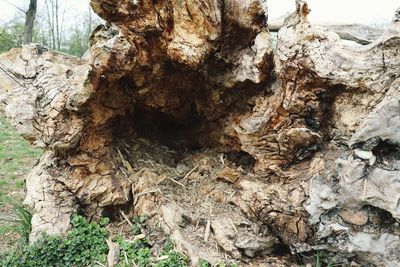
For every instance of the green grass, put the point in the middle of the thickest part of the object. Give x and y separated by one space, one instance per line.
19 184
6 228
17 157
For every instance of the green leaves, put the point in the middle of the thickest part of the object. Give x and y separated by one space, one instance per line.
83 246
137 251
86 245
204 263
25 218
174 259
138 224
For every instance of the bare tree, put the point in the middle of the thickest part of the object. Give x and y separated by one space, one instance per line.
30 16
29 21
56 24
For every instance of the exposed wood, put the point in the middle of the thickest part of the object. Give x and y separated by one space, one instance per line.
309 131
359 33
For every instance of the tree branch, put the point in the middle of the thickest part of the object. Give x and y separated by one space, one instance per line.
17 7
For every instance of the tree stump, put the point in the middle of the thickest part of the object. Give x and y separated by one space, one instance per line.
184 110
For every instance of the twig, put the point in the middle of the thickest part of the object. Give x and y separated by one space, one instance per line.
126 218
365 189
120 223
125 162
99 263
17 7
124 173
126 257
207 231
197 225
190 172
129 166
221 157
147 192
11 76
139 237
136 238
176 172
233 225
152 164
138 173
230 197
164 257
175 181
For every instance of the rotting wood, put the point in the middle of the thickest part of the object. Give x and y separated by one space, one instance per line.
287 121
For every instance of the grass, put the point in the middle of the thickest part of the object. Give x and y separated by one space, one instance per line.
16 159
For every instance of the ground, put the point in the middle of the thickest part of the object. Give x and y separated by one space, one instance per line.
16 159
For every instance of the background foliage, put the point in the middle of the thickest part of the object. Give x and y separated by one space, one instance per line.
73 37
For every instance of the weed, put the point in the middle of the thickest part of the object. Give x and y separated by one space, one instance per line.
84 245
204 263
320 258
16 158
19 184
173 258
6 228
223 264
25 218
138 224
138 252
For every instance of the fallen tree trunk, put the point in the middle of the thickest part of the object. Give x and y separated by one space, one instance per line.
184 112
359 33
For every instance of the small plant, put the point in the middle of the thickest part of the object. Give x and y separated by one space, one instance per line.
319 259
19 184
138 252
223 264
138 224
25 221
173 258
204 263
84 245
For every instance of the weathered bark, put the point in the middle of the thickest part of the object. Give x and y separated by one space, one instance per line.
359 33
29 22
176 103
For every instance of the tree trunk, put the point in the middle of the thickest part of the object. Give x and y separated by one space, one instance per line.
29 22
186 113
361 34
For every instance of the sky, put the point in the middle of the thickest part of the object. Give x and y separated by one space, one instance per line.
329 11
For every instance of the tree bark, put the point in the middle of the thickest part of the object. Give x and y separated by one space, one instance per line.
29 22
185 112
359 33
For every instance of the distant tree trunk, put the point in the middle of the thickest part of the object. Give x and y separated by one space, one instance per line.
57 25
29 21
